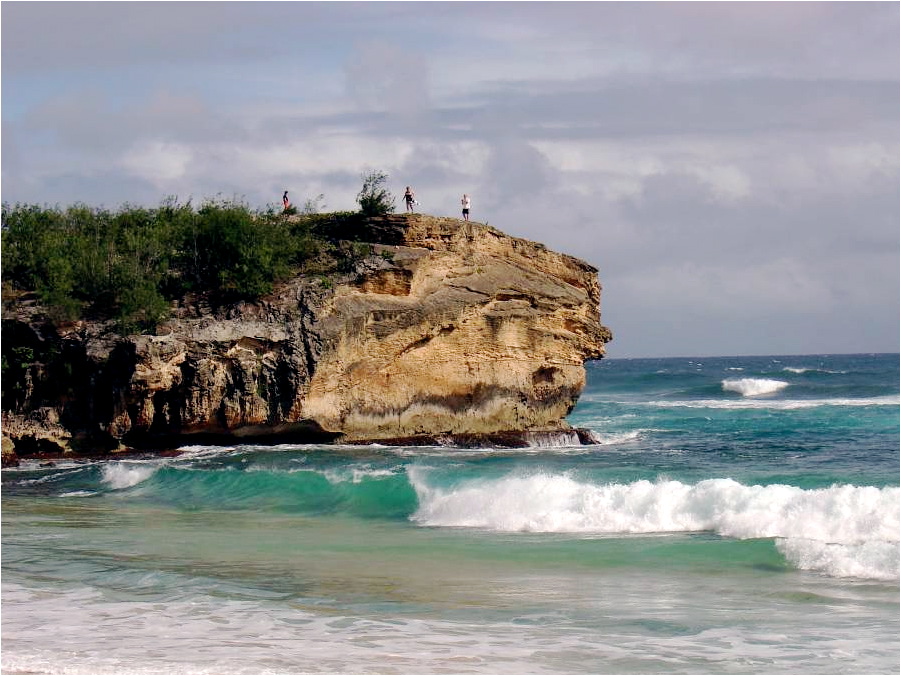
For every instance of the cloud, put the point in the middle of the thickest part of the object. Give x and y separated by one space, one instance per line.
515 169
158 162
92 121
386 78
730 289
53 36
727 166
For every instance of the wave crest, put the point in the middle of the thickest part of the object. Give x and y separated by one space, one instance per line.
841 530
119 475
753 387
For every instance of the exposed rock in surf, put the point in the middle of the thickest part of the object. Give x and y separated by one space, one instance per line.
8 457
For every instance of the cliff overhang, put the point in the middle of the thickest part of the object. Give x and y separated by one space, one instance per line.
445 332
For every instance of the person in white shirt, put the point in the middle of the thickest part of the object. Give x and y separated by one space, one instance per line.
466 204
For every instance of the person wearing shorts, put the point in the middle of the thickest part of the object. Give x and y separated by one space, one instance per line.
466 204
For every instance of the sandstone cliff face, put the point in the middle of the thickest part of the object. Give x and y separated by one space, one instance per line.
449 330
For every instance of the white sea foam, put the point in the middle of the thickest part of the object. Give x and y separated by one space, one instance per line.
875 559
48 478
197 452
206 633
803 369
333 476
777 404
613 439
355 475
841 531
118 475
753 387
33 465
553 440
251 638
743 403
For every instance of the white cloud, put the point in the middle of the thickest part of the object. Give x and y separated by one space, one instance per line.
158 162
623 166
727 183
323 154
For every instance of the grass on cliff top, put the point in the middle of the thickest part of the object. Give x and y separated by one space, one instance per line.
131 263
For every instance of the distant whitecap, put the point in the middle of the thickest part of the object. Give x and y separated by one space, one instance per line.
753 387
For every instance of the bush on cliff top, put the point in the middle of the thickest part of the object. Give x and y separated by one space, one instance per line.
374 198
131 263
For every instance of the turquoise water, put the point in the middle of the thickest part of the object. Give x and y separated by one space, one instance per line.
737 515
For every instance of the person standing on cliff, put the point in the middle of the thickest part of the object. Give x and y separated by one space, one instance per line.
285 201
408 198
466 204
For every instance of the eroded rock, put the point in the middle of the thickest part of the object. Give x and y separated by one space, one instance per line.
450 330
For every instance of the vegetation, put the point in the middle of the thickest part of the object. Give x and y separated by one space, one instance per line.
374 199
314 205
131 264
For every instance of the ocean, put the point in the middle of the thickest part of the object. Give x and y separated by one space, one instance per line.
738 515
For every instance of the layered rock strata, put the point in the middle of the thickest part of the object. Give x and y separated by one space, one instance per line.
448 332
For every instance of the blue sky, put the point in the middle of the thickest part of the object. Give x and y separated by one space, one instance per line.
731 168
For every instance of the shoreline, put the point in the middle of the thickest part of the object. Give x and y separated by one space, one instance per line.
507 440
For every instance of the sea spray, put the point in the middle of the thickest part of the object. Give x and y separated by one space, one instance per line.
119 475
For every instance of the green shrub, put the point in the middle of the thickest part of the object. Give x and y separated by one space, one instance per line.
233 253
30 235
130 264
374 198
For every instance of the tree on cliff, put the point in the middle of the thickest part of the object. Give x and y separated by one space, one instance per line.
374 199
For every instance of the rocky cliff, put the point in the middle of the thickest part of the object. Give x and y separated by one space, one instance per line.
447 332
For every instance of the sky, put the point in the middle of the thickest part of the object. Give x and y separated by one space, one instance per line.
731 168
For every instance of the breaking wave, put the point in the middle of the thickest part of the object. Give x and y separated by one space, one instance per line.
841 531
753 387
119 475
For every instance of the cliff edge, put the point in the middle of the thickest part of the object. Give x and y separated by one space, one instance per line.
447 331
